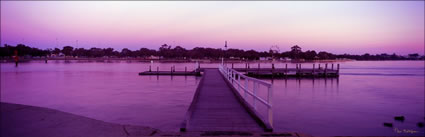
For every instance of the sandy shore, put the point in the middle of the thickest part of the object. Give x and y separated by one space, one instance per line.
30 121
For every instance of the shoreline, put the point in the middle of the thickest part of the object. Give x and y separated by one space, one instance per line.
178 60
30 121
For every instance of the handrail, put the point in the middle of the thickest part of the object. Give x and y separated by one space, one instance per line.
234 76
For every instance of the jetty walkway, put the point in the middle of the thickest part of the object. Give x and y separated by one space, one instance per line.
218 106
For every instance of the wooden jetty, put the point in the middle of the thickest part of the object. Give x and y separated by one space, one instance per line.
181 73
172 71
298 71
217 106
290 72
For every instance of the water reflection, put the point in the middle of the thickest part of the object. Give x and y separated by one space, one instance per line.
104 91
369 94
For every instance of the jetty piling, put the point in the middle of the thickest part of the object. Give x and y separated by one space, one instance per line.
286 70
326 68
337 70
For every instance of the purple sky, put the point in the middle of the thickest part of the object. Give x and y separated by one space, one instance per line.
354 27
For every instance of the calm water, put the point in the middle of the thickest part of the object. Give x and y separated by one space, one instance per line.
367 94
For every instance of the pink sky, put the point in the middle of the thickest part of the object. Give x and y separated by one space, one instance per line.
354 27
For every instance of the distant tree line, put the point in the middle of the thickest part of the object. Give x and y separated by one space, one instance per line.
168 52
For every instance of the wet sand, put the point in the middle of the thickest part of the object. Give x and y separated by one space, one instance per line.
30 121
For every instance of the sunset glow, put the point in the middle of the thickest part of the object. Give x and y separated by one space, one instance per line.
354 27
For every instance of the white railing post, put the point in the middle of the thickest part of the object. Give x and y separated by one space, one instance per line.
228 73
270 100
234 76
255 95
239 82
246 86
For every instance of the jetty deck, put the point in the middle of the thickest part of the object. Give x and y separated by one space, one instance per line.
215 107
179 73
288 72
298 71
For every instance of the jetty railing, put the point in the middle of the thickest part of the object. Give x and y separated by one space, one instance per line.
233 76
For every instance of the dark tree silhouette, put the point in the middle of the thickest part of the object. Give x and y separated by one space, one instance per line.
67 50
178 52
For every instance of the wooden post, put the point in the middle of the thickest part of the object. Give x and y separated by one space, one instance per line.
313 68
332 66
171 70
258 70
185 69
246 68
286 70
326 67
272 70
337 69
298 70
150 70
319 66
157 70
